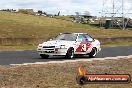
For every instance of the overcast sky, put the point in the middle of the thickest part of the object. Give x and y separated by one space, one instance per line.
65 6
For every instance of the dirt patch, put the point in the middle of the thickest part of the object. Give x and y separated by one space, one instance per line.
62 75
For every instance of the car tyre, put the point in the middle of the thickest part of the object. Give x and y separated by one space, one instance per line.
70 53
93 53
43 56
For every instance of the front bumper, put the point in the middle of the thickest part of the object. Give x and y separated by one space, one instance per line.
52 51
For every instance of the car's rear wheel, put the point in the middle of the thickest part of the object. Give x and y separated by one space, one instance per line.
70 53
93 53
43 56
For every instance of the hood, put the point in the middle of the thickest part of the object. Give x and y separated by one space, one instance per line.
57 43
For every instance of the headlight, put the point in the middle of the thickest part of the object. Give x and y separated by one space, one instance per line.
39 45
62 46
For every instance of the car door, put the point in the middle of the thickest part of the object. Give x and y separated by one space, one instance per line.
84 44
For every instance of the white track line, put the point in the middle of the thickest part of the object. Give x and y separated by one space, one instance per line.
78 60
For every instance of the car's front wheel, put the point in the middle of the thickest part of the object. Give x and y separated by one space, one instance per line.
93 53
70 53
43 56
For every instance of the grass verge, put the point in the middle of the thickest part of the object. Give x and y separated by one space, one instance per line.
16 25
62 75
121 43
17 47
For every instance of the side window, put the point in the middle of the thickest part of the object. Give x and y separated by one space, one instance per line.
84 38
81 38
88 38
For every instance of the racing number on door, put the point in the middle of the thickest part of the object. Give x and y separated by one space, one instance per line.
84 48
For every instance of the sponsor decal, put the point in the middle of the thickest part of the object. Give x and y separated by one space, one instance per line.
84 78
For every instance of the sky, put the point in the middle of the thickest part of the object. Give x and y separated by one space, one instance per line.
66 7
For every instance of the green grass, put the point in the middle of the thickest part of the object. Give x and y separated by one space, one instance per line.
17 25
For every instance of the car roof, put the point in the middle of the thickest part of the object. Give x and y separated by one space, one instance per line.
72 33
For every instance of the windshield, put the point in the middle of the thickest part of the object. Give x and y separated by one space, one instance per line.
67 37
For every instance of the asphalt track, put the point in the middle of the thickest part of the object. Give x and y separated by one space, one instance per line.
20 57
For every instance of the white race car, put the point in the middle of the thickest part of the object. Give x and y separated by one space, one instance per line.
69 45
